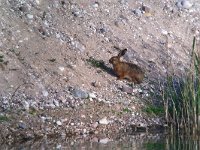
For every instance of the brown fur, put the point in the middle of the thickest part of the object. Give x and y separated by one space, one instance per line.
125 70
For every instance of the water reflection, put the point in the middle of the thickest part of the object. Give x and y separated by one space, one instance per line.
128 142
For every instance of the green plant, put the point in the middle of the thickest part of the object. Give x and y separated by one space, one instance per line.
1 58
154 110
182 98
99 64
154 146
3 118
96 63
126 110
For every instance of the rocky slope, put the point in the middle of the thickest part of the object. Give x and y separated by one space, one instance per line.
54 69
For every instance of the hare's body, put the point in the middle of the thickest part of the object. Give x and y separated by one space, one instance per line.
125 70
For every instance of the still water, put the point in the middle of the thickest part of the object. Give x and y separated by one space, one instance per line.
128 142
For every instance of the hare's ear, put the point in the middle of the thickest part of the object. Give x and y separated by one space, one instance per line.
122 53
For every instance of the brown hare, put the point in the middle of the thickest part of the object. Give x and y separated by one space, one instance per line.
125 70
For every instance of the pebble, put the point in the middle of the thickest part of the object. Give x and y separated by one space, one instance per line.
92 95
96 84
146 9
80 93
29 16
26 105
22 125
56 103
137 12
104 141
78 46
59 123
61 69
104 121
63 135
164 32
37 1
45 93
185 4
23 9
127 89
58 146
95 5
95 125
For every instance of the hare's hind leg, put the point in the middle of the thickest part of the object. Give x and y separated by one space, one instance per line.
120 76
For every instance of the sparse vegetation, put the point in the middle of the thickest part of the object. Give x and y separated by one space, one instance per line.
1 58
154 146
127 110
96 63
154 110
3 118
99 64
182 99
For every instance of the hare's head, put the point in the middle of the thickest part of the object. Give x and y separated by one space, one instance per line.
116 59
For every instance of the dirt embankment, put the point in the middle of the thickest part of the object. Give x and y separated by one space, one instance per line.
55 77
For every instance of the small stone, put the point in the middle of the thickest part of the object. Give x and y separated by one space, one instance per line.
43 118
80 93
95 125
58 146
29 16
61 69
123 2
102 30
127 89
95 5
104 121
96 84
37 2
104 141
79 46
63 135
164 32
22 125
45 93
137 12
76 13
59 123
26 105
92 95
23 9
185 4
56 103
146 9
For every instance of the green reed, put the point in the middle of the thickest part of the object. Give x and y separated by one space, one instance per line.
181 97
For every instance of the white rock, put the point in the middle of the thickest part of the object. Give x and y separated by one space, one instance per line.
29 16
26 105
95 5
61 69
45 93
104 121
92 95
164 32
186 4
95 125
56 103
59 123
104 141
38 1
59 146
43 119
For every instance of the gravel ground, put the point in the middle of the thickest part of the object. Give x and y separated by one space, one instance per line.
55 78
